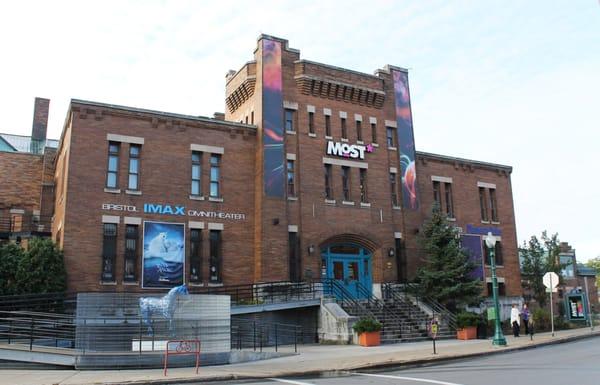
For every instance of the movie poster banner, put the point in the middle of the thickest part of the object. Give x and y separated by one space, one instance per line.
163 259
273 151
473 245
406 140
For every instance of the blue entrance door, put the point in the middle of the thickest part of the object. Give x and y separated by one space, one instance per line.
350 266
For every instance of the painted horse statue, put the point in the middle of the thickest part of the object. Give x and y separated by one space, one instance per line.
164 306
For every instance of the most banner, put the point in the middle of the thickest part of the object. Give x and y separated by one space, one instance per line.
163 260
273 151
406 141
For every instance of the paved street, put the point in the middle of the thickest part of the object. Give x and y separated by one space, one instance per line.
568 363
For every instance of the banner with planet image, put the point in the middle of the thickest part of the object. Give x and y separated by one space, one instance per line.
163 259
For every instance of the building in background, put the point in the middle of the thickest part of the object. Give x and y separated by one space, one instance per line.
312 172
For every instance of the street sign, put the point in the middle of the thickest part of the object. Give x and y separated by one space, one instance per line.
491 314
554 290
550 279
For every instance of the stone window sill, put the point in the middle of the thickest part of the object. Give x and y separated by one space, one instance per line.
192 284
348 203
495 223
451 219
215 284
197 197
345 140
112 190
330 201
292 198
360 142
366 205
396 207
392 149
215 199
485 222
133 192
312 134
374 144
291 132
328 137
130 283
108 283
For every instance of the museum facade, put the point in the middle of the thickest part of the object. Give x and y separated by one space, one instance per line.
312 172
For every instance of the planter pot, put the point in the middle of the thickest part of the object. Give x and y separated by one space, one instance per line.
369 338
467 333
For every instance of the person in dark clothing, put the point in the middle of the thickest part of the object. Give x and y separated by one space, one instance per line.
525 315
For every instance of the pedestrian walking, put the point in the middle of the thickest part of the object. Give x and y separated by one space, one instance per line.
525 316
514 319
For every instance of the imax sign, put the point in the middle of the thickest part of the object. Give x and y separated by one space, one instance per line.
354 151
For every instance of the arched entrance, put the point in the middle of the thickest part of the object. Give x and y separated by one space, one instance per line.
350 265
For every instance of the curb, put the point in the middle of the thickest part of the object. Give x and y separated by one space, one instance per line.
400 364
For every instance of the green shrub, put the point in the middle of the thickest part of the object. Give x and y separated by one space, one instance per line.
466 318
541 320
366 325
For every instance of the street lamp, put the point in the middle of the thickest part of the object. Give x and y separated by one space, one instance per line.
499 339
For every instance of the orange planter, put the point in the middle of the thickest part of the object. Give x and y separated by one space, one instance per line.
468 333
369 339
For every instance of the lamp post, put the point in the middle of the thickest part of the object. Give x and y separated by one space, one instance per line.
499 339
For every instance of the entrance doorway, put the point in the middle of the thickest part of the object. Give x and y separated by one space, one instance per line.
350 266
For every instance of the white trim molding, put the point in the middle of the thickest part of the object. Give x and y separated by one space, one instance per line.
215 226
290 105
124 139
489 280
347 163
196 225
486 185
205 148
393 170
292 228
310 108
358 117
443 179
290 156
343 114
397 235
327 111
372 120
391 123
111 219
132 220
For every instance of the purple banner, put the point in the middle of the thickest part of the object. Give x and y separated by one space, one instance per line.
406 141
483 230
472 243
273 151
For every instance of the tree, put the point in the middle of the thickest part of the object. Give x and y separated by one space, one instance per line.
10 257
538 258
594 263
447 273
42 268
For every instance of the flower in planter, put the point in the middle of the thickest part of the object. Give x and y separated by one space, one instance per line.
364 325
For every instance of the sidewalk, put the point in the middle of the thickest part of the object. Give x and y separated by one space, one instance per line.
312 359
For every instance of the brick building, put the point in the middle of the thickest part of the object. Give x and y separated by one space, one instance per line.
310 173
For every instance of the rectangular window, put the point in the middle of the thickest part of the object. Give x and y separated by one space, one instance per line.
196 173
449 202
131 253
252 117
294 256
289 120
501 289
373 132
566 265
311 122
363 185
359 130
327 125
134 167
328 189
195 255
483 205
291 185
493 205
344 128
216 262
390 136
394 189
346 182
109 252
437 197
215 175
498 256
112 174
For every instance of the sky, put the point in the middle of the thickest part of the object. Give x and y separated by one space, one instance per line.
509 82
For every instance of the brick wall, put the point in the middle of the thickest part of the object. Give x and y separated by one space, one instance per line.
20 177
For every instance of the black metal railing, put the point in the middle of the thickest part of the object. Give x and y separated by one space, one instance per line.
258 335
37 329
58 302
405 291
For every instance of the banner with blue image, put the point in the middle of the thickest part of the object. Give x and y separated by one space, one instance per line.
163 260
